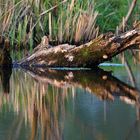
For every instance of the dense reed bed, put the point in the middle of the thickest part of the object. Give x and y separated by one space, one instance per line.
24 22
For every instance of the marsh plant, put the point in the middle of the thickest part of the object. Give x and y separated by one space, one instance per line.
26 21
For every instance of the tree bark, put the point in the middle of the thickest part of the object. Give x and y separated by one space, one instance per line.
97 82
89 55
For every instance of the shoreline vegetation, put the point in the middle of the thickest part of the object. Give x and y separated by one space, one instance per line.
65 24
27 21
75 22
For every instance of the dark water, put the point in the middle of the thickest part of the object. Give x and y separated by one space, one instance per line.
69 105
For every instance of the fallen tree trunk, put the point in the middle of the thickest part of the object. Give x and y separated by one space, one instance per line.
97 82
91 54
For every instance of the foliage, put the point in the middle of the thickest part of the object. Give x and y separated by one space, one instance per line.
112 13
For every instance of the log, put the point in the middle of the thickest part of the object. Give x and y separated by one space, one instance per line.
96 81
90 54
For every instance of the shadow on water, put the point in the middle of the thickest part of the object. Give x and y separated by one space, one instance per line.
43 97
5 74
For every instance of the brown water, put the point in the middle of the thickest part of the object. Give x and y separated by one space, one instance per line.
69 105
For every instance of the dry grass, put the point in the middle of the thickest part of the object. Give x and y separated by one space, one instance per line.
25 21
77 26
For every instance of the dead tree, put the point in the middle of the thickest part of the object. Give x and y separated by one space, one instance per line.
91 54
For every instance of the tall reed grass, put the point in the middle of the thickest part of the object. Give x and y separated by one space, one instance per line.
26 21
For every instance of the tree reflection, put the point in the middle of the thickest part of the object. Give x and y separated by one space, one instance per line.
41 95
97 81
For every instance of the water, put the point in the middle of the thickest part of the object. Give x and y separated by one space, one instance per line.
43 104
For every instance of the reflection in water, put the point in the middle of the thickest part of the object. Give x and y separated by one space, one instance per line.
42 97
5 74
41 108
97 81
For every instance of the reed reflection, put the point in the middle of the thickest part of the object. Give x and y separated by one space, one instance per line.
42 105
40 96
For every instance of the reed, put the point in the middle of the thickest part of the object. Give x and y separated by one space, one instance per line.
63 21
26 21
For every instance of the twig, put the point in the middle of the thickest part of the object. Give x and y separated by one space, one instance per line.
125 20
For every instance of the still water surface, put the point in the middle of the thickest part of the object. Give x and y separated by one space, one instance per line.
69 105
